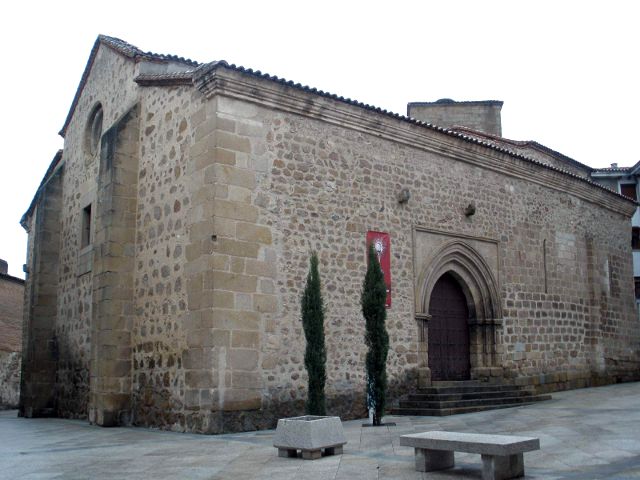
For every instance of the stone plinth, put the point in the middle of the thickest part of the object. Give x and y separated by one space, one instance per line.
310 434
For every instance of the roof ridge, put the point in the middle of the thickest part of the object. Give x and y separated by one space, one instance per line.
523 143
132 51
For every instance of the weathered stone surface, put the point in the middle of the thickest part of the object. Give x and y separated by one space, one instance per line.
9 379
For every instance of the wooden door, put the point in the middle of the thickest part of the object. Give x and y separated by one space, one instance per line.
448 331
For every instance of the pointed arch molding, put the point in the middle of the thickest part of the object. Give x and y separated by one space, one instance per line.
479 284
474 263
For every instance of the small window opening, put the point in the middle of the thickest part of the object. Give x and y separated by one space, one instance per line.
635 238
86 226
544 265
629 190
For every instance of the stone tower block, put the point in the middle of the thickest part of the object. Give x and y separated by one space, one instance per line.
481 115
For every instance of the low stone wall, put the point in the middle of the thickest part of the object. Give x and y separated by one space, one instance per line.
9 379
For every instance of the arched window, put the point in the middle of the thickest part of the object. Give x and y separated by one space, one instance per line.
94 130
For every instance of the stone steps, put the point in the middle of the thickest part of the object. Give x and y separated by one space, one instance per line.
441 397
465 397
470 389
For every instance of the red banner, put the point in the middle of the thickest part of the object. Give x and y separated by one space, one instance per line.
382 246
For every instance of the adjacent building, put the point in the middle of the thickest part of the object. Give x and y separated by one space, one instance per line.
169 244
11 305
624 180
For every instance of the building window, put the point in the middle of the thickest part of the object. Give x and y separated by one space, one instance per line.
636 281
93 132
85 235
629 190
635 238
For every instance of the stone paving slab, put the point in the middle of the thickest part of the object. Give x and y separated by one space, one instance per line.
584 434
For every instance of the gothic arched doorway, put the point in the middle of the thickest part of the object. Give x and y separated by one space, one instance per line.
477 289
449 357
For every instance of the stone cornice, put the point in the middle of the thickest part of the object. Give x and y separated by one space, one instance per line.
218 78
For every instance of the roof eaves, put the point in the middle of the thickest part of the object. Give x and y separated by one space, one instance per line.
204 69
558 155
633 170
612 169
52 167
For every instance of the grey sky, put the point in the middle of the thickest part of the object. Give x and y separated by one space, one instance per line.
567 71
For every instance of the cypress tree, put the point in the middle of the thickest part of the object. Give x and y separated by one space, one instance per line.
374 294
315 354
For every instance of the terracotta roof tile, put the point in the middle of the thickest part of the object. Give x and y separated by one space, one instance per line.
612 169
524 143
132 51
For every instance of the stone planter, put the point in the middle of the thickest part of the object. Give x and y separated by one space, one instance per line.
310 434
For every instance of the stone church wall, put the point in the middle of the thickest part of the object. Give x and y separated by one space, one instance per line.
286 185
183 312
352 189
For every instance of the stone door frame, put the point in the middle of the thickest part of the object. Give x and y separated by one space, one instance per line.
481 291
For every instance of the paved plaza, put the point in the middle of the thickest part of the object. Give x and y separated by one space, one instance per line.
584 434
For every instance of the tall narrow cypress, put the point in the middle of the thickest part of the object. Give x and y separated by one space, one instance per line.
315 355
374 294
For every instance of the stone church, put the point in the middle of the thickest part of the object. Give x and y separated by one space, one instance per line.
169 244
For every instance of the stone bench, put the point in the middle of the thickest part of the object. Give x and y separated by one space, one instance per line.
502 455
